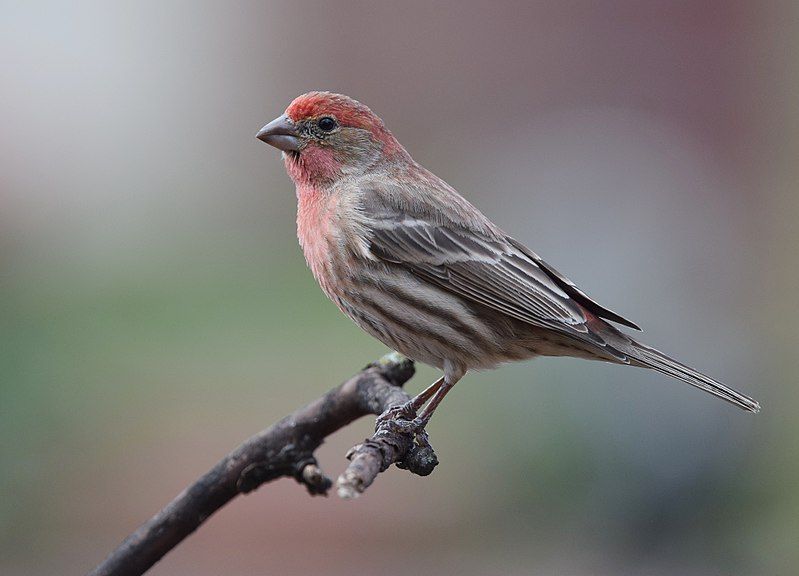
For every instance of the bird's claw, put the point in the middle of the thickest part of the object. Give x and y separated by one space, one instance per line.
401 426
402 419
398 414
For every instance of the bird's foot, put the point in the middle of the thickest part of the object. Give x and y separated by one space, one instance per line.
402 419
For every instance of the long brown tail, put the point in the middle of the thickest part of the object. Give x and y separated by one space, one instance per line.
643 355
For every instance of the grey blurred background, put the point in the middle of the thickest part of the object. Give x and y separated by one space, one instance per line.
155 308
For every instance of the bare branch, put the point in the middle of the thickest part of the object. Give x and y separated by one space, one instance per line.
286 449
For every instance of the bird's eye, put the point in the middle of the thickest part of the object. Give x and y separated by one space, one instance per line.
327 124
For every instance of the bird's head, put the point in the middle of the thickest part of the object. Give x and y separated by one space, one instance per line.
326 136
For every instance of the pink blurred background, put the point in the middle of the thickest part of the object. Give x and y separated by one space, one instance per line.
155 309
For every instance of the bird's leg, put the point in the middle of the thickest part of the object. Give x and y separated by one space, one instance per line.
399 418
419 400
427 412
421 420
407 412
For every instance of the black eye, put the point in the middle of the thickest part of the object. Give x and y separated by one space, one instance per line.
327 124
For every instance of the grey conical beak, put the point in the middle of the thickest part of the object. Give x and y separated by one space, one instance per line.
280 133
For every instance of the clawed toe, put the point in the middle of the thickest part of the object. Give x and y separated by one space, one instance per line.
401 426
402 419
400 413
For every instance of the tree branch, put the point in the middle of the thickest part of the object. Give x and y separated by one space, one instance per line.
287 449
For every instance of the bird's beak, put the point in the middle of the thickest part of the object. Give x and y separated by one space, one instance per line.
280 133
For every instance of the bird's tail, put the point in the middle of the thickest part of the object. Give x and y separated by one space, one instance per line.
642 355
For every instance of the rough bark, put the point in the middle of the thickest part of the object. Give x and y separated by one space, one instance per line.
287 449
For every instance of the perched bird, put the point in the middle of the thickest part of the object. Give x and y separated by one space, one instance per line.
422 270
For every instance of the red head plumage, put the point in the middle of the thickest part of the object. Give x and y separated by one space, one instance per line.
346 111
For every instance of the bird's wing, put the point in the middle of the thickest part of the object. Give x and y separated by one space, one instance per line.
490 269
572 290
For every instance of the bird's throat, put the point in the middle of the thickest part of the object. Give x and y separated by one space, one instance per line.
314 166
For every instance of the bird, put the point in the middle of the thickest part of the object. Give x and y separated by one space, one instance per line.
418 267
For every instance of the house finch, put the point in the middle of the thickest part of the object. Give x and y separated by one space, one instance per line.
422 270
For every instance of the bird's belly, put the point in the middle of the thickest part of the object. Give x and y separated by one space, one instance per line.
418 348
426 323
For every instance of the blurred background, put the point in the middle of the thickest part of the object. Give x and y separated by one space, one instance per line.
155 308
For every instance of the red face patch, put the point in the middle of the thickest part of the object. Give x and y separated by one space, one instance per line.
345 110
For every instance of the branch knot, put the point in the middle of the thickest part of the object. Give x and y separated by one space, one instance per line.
287 449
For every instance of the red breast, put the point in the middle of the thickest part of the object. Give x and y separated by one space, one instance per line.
314 214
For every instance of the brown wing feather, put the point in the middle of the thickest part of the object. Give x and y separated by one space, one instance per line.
474 259
487 270
569 287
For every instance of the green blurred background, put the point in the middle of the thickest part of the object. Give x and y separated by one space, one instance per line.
155 308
